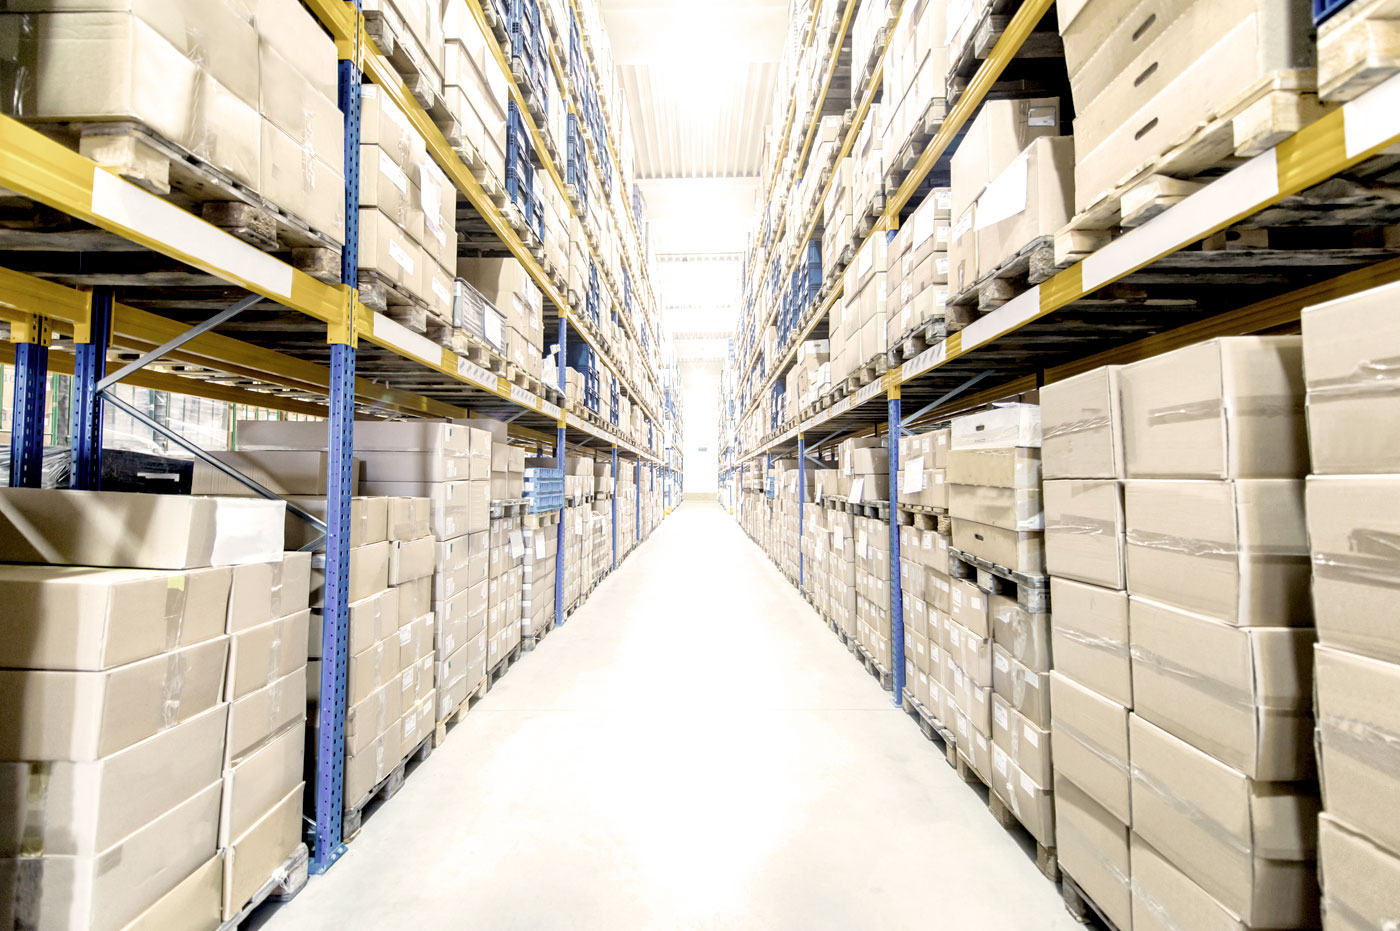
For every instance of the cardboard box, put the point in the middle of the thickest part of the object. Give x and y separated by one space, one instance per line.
310 188
1031 803
1243 695
1084 531
1016 509
1361 880
1032 197
411 559
414 467
62 617
1345 343
1025 744
260 851
1248 844
284 471
1007 467
1005 426
1357 719
1025 636
1232 550
259 715
1092 845
92 528
1089 638
255 786
969 606
1089 734
195 904
261 654
1081 426
408 518
1025 690
263 591
1228 408
1349 520
1165 899
88 807
1020 551
367 521
105 892
82 716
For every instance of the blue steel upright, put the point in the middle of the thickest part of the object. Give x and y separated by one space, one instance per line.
326 846
89 367
896 594
614 507
31 381
559 452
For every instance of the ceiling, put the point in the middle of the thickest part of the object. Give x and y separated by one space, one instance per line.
699 77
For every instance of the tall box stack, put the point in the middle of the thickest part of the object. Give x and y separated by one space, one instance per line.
475 90
601 544
1224 799
537 580
865 470
999 602
865 311
1353 508
923 565
116 673
507 572
511 290
841 529
575 528
1091 689
917 280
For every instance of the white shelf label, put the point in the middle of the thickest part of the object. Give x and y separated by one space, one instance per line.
475 373
522 397
401 337
930 358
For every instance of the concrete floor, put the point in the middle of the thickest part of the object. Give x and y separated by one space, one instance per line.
693 749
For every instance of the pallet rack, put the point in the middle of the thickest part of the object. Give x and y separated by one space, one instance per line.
1077 320
302 346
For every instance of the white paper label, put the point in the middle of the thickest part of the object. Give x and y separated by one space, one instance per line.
914 475
517 544
1002 719
999 760
441 291
1027 785
475 373
924 227
541 546
400 255
393 172
975 602
1006 196
857 489
955 637
1031 736
1002 664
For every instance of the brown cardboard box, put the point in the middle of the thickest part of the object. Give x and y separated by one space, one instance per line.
83 716
92 528
395 466
409 518
1019 551
260 714
1007 467
1081 426
103 893
1233 550
1084 531
1093 846
1089 638
1345 343
310 188
1165 899
1228 408
1033 197
1248 844
262 654
1025 690
1024 635
1003 129
194 904
1005 426
284 471
411 559
62 617
1024 744
1241 694
85 808
388 251
1361 881
1015 509
263 848
368 518
1349 520
1031 803
1089 734
259 782
968 606
370 620
1357 723
262 591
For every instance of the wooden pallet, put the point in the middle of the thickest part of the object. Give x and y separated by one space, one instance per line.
916 339
389 297
503 664
528 644
458 714
1046 858
1032 264
929 725
881 674
1357 48
1031 590
384 790
922 517
1081 907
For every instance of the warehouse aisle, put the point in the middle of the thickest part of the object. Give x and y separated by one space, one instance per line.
693 749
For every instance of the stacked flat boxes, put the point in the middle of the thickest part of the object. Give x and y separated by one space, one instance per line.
506 285
917 279
209 660
600 529
1010 185
247 89
408 211
537 579
475 90
994 502
916 70
1352 500
576 521
505 588
626 507
864 309
810 378
925 588
1221 773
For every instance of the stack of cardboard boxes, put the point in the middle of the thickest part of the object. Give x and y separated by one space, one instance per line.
505 585
626 507
865 470
923 470
537 579
1352 512
872 615
916 73
925 590
864 308
838 221
1011 178
476 92
1203 727
917 279
248 89
994 501
810 378
115 673
1142 84
511 290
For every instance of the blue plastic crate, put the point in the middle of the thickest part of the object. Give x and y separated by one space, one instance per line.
1325 8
